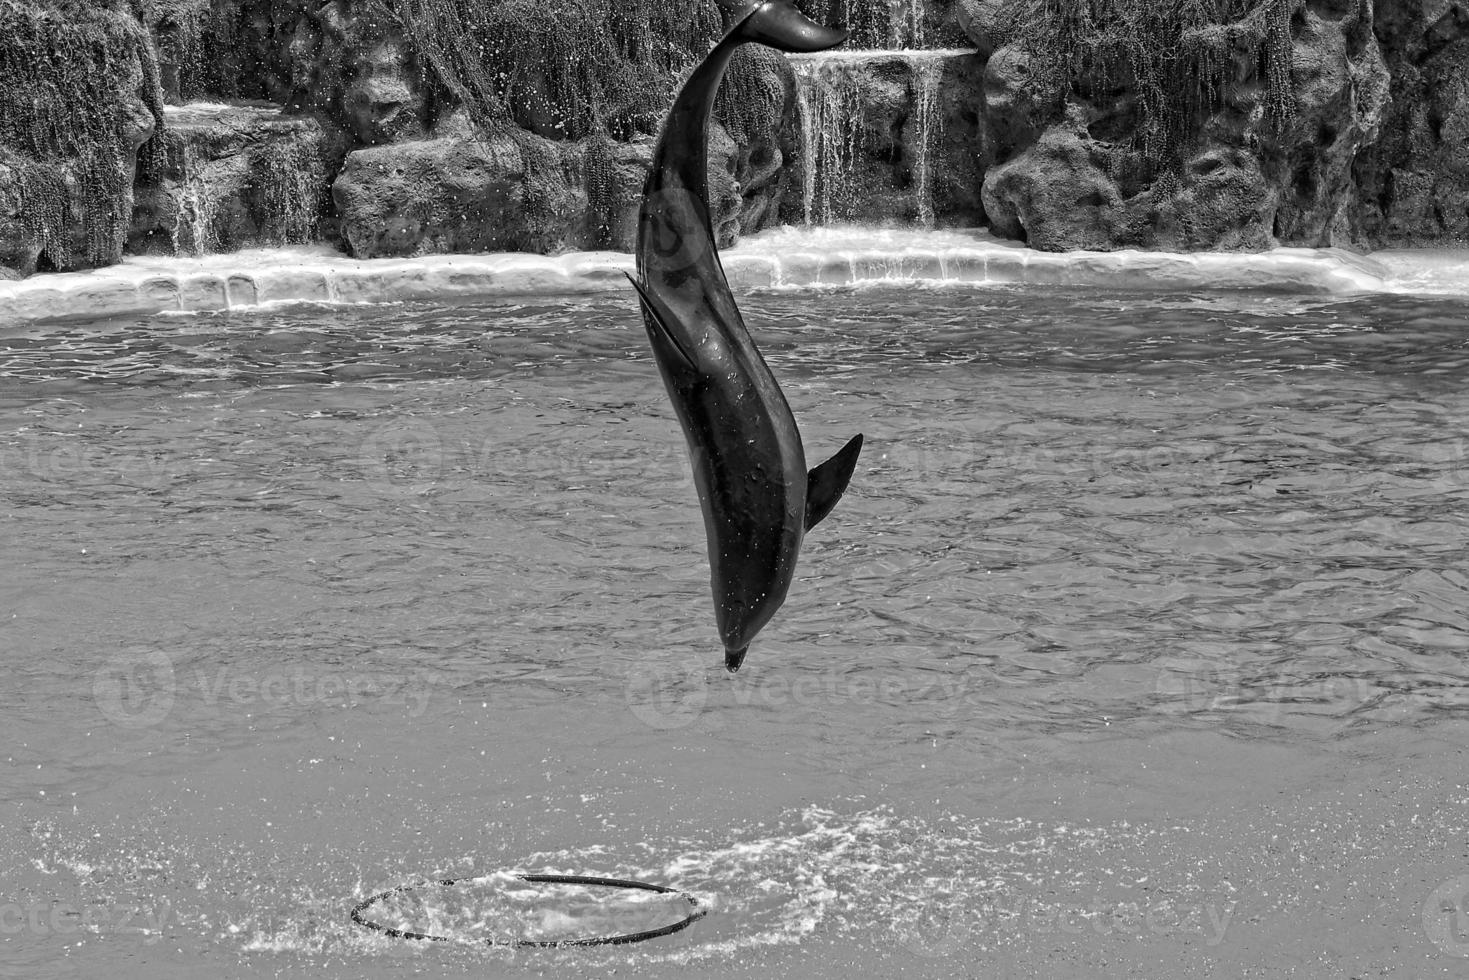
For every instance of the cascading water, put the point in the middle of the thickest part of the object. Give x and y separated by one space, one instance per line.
905 23
927 126
192 232
872 128
837 93
830 104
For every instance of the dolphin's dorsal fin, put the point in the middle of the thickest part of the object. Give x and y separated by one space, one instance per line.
653 317
827 482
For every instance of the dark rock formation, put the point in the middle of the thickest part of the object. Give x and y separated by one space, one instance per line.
232 177
614 174
521 190
1414 183
1065 193
381 93
1244 180
1340 84
1016 112
759 135
78 98
459 193
464 192
980 22
1057 195
962 145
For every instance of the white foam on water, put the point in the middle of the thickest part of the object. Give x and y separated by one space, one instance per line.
1430 272
814 876
818 879
786 259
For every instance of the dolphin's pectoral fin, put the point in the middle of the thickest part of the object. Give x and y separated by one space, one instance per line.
653 316
827 482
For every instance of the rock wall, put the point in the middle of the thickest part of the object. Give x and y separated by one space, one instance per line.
458 189
234 176
79 97
381 156
374 149
1413 183
1247 177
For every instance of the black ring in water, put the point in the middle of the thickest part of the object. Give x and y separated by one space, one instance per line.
696 912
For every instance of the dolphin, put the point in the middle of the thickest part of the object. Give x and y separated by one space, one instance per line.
748 463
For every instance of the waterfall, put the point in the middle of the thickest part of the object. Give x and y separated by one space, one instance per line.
838 94
830 101
927 121
905 23
192 232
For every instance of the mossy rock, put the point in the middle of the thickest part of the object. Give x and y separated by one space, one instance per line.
79 95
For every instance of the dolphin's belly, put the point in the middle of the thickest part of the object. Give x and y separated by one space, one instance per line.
750 471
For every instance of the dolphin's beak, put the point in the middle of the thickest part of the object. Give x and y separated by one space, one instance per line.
733 659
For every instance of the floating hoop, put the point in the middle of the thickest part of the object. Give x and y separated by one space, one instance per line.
696 912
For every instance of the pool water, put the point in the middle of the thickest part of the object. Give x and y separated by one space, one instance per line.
1136 648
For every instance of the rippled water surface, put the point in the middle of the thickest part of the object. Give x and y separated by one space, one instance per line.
1137 648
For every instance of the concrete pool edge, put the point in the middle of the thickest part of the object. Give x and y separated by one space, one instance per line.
785 258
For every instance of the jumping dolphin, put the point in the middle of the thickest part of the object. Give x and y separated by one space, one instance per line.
749 466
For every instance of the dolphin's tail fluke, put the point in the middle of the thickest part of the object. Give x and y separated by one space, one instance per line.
780 25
